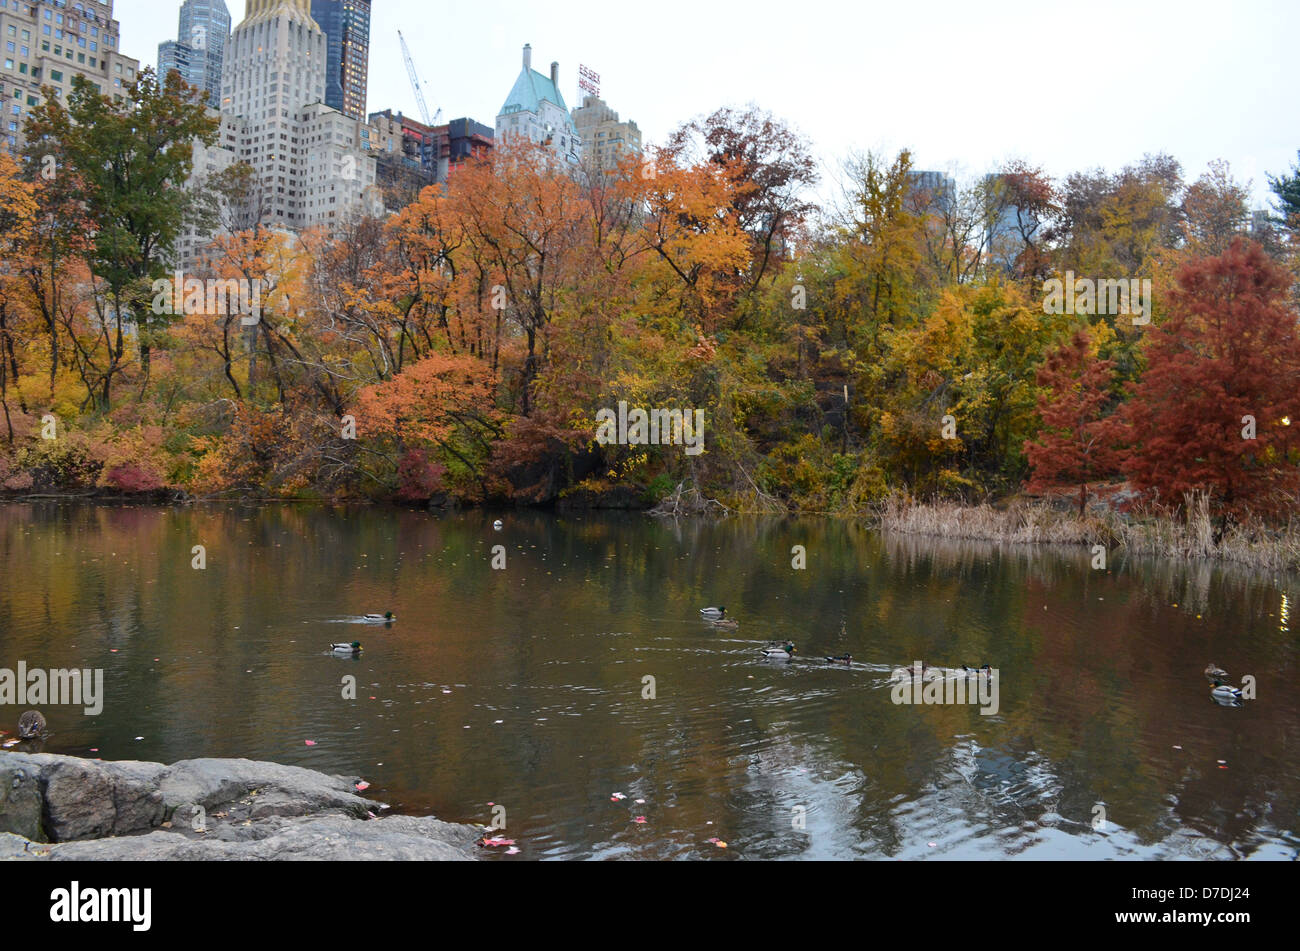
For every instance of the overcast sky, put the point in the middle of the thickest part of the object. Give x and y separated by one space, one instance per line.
965 84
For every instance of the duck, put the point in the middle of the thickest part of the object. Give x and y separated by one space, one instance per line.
846 659
779 651
349 649
31 725
985 671
498 525
713 614
1215 672
388 617
726 623
1225 694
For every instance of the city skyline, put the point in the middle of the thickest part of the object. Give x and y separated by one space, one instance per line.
957 108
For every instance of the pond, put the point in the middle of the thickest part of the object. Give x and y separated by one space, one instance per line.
581 672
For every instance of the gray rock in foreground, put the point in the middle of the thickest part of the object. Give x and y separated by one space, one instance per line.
64 808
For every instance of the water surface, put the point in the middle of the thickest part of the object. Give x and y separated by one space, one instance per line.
525 687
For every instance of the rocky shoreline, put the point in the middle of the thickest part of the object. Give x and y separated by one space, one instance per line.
56 807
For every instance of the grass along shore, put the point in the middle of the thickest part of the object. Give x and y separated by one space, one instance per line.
1028 522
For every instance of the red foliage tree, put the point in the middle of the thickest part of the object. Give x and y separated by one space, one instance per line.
1226 361
1078 442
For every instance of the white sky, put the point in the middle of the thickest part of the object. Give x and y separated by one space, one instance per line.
966 84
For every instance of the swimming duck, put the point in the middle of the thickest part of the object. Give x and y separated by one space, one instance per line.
726 623
1215 672
1223 693
713 614
349 649
31 725
387 617
779 651
985 671
846 659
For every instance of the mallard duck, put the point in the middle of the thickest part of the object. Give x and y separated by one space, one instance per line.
1223 693
498 525
726 623
842 659
779 651
713 614
31 725
351 649
1215 672
388 617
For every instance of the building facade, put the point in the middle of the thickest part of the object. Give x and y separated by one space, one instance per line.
535 111
312 164
347 31
47 43
199 50
605 140
410 155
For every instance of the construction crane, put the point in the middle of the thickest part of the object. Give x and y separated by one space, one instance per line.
415 84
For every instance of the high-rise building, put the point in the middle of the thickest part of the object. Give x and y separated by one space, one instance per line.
347 30
47 43
605 140
312 165
412 155
199 49
930 193
535 110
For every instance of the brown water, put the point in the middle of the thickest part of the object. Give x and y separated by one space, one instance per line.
524 687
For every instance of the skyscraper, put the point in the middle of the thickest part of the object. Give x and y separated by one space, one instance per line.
347 29
199 50
312 165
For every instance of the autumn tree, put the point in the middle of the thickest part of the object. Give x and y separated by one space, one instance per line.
1214 211
773 171
1213 411
1077 444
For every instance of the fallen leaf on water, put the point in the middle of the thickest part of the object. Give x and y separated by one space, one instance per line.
513 850
640 820
616 797
362 786
310 742
495 842
640 802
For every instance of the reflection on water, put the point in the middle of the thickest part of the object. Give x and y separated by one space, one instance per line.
527 687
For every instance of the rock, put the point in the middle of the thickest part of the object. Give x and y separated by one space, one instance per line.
211 809
20 798
330 838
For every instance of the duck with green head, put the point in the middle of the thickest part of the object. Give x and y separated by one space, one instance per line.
779 651
346 650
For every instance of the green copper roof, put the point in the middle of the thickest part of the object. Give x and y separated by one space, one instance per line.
530 89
